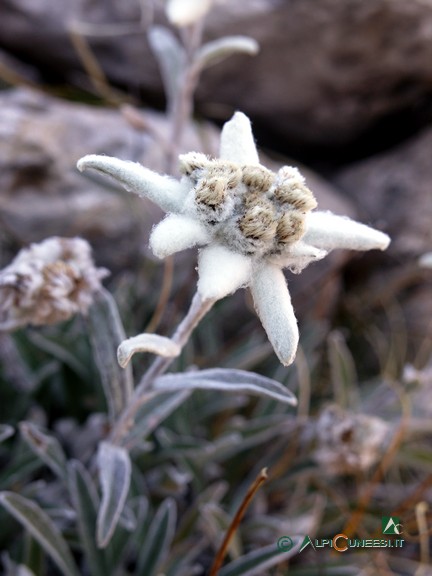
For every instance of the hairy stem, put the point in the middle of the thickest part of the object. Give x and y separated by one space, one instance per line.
182 106
197 310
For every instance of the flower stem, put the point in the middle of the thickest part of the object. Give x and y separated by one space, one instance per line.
197 310
182 106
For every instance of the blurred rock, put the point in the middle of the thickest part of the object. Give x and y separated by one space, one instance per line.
329 73
393 192
42 193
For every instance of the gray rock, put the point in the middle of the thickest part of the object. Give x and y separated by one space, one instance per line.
393 191
328 71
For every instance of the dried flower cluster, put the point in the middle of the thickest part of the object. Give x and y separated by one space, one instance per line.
48 283
250 222
349 443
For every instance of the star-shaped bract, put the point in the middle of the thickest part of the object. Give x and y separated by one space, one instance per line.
249 223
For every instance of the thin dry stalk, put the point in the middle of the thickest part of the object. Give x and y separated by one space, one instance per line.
167 282
93 69
304 384
143 123
258 482
410 502
352 525
421 511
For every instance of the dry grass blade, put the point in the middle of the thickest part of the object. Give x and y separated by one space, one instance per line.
259 481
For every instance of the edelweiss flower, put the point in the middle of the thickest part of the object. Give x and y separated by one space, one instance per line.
186 12
251 221
48 282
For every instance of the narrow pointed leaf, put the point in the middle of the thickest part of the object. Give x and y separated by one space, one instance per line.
13 569
45 446
217 50
255 563
42 528
158 406
86 503
153 343
158 539
342 370
6 432
23 464
115 475
227 380
106 333
170 56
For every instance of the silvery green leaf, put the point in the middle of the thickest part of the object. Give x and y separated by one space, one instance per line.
6 432
342 369
256 562
24 463
115 475
13 569
152 343
86 503
158 406
158 539
217 50
171 58
185 561
60 352
106 333
227 380
214 522
45 446
42 528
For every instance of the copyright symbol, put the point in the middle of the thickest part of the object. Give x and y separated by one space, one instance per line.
284 544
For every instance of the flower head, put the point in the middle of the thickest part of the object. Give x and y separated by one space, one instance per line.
349 443
252 223
185 12
48 282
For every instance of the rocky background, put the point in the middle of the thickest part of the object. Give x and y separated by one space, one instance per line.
342 87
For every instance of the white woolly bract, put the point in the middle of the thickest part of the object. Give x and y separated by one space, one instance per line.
164 191
273 306
297 256
328 231
237 141
176 233
221 272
